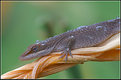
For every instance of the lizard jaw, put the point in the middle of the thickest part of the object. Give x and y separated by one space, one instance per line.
28 55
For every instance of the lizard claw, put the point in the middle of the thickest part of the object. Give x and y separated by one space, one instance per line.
70 53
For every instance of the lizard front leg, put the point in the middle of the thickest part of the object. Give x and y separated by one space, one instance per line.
68 43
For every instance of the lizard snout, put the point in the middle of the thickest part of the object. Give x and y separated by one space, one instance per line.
22 57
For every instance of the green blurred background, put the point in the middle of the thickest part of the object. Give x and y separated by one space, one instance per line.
25 22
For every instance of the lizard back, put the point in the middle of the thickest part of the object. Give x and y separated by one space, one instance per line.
88 36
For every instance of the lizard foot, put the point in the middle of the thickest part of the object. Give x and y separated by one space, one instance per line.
65 53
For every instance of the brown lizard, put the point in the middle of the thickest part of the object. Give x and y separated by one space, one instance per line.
83 36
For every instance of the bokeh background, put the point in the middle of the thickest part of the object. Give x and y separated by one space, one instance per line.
25 22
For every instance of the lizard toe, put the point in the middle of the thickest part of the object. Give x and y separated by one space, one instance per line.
65 53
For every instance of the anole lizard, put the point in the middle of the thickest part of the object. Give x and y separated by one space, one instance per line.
83 36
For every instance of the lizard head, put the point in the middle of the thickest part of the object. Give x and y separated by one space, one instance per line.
33 50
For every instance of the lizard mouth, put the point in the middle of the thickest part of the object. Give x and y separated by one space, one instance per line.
24 54
28 55
27 52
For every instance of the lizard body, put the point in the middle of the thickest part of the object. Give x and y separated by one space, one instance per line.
83 36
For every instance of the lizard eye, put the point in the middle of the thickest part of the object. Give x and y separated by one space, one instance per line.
34 49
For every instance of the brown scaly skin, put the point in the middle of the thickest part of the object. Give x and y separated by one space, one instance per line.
83 36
